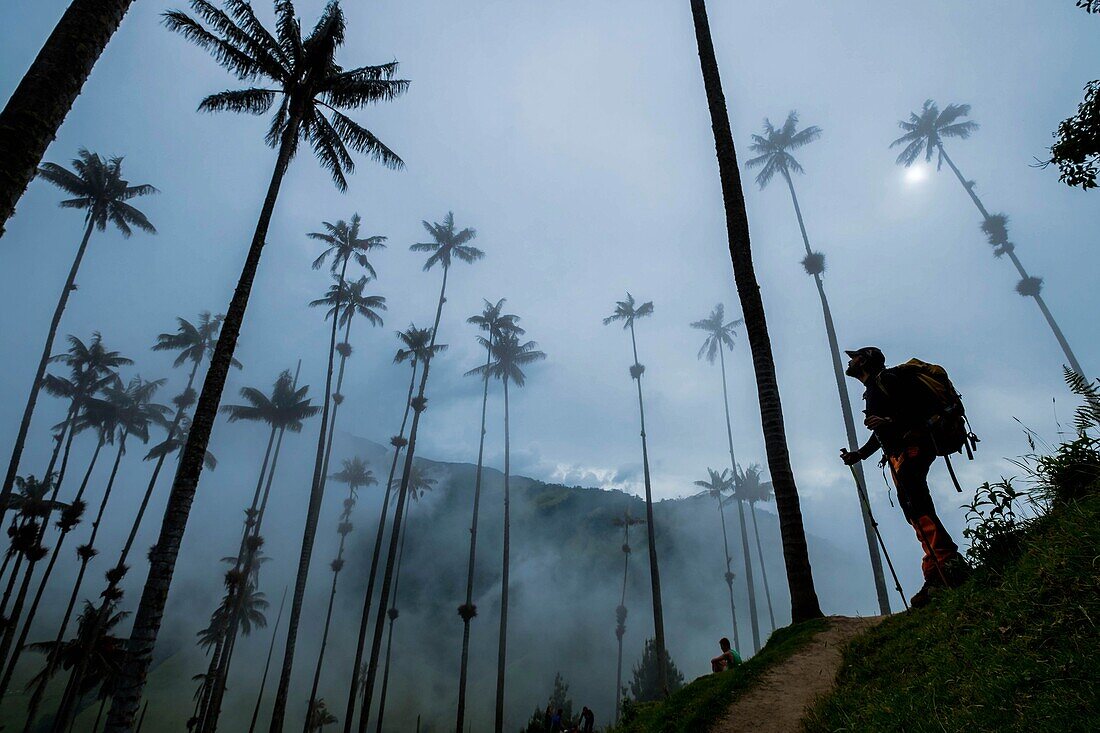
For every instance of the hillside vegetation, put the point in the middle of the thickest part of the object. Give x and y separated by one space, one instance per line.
1014 649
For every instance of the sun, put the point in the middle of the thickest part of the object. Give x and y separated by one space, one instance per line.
916 174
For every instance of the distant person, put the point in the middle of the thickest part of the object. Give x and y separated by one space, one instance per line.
900 412
728 659
588 720
555 722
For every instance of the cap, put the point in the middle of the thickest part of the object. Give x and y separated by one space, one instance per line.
872 353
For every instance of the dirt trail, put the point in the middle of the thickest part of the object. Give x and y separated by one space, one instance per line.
777 703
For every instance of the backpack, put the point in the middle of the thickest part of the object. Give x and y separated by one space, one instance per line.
947 424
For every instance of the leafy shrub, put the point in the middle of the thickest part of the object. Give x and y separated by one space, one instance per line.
994 531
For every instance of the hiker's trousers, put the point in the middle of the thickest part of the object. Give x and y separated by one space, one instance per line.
910 470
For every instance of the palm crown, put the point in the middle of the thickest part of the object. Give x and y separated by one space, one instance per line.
193 342
509 357
720 334
129 410
420 482
91 368
627 311
717 483
774 148
348 299
344 244
285 408
494 322
310 87
926 130
99 188
355 474
417 345
749 485
448 244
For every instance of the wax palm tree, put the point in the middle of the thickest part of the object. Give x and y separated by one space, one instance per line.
98 188
102 422
626 521
93 649
925 132
774 151
319 716
36 109
718 484
267 665
750 488
417 348
194 344
344 300
494 322
345 244
509 358
91 368
240 610
448 244
132 412
308 83
720 337
628 311
285 409
356 475
420 483
804 604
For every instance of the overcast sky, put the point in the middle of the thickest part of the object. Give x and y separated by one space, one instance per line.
574 137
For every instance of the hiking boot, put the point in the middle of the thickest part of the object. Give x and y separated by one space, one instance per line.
925 595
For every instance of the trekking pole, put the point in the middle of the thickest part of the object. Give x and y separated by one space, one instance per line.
882 545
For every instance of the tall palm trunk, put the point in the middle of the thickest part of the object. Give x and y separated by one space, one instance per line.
12 618
419 404
398 441
392 615
620 621
172 428
651 530
754 621
218 670
502 643
1070 356
267 665
131 681
33 610
309 534
804 604
760 556
729 573
67 708
38 106
51 661
846 413
467 610
43 360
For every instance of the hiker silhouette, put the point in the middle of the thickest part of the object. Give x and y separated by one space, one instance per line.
914 415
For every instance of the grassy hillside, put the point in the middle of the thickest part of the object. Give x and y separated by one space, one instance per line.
1015 649
695 707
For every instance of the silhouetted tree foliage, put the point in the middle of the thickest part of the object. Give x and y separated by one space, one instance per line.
644 686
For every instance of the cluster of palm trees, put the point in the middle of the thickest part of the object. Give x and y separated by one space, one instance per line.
296 74
115 412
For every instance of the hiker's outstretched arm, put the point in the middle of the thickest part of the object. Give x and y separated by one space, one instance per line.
869 447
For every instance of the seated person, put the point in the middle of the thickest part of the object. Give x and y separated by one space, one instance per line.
728 659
